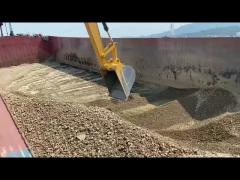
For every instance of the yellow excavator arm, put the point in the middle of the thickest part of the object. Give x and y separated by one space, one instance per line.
119 78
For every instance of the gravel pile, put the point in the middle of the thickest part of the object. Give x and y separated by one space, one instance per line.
208 103
218 135
210 133
71 130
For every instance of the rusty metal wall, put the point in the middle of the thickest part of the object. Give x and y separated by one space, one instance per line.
176 62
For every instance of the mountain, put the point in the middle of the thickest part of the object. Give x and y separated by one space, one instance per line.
203 28
219 32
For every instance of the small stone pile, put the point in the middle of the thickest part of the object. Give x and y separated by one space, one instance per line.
54 129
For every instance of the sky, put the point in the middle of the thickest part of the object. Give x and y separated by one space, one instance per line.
79 30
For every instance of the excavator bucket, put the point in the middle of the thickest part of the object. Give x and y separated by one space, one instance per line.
119 78
120 81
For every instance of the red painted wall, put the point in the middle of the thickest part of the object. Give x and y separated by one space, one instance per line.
19 50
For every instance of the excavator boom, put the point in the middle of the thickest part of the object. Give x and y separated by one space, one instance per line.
119 78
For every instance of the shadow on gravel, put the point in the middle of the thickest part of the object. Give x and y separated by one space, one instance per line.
209 103
200 104
72 70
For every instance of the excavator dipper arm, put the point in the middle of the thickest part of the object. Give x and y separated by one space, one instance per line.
119 78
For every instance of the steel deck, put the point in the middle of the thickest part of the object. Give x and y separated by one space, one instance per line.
12 143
